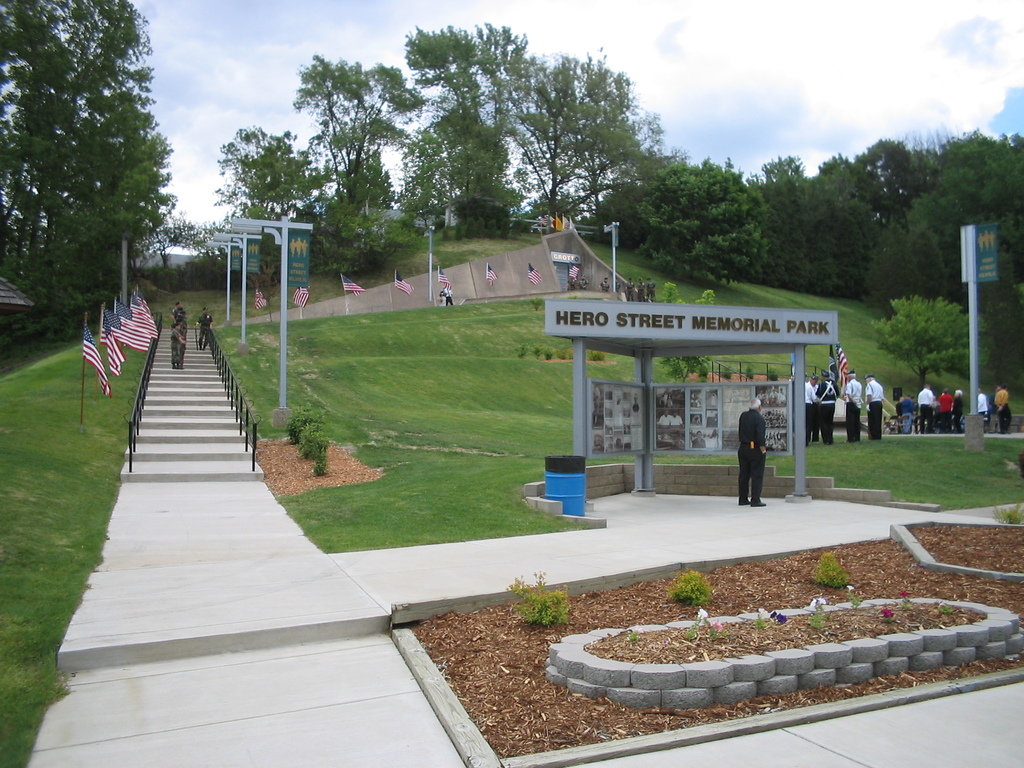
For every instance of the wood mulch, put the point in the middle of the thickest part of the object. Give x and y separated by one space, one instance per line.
285 472
495 662
989 548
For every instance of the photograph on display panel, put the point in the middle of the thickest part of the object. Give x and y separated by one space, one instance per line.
616 417
775 409
669 418
703 433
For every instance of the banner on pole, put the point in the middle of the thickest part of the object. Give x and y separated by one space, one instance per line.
252 257
236 258
298 257
987 252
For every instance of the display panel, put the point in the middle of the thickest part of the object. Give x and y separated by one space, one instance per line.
616 418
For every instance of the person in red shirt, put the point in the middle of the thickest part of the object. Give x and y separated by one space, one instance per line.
945 411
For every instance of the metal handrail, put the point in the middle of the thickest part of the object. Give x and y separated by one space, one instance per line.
135 420
247 421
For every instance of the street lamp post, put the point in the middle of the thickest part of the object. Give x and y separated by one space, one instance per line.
614 229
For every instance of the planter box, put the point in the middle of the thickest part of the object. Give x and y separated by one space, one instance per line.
727 681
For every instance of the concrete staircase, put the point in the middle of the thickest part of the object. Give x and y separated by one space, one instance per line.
189 432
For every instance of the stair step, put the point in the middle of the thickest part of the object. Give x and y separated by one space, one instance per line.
159 423
177 437
192 471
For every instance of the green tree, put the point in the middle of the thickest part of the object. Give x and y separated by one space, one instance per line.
359 113
82 163
680 368
784 187
577 132
929 335
703 221
469 79
266 177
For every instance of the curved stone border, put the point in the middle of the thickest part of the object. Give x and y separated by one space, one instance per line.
903 535
731 680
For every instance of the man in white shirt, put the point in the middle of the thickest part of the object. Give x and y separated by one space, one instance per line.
926 410
811 410
852 394
983 408
875 395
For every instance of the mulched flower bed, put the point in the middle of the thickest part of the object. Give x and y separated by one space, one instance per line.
495 662
989 548
706 643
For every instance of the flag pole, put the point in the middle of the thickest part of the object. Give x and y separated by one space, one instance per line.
81 413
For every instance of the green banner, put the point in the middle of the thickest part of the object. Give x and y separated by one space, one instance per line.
298 257
236 258
987 252
252 257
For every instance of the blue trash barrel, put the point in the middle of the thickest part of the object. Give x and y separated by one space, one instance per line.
565 480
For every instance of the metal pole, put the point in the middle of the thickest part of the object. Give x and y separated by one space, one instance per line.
227 300
799 436
245 281
969 274
430 264
282 399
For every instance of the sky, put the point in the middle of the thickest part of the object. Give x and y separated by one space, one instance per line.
731 80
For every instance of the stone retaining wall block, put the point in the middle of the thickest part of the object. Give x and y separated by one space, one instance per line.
817 678
733 693
687 698
868 649
894 665
792 661
904 644
998 629
958 656
926 660
777 685
552 675
708 674
830 655
855 673
1014 644
608 673
636 698
658 677
586 689
995 650
752 668
971 634
937 639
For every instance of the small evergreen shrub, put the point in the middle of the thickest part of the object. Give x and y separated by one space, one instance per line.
1011 515
830 573
595 355
541 604
690 588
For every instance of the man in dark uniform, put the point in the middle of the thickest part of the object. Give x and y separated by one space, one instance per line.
205 321
751 454
827 396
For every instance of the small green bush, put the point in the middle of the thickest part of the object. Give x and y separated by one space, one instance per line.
537 304
312 444
541 605
320 465
302 419
830 573
596 355
690 588
1010 515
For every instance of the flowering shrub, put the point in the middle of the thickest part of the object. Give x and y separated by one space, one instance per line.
541 605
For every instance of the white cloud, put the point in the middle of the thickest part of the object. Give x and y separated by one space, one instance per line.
744 80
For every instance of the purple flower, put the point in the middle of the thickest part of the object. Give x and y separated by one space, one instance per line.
779 617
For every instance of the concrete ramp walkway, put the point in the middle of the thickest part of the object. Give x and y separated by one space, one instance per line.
214 633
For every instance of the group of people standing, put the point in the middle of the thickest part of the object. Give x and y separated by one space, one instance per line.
821 394
179 333
944 414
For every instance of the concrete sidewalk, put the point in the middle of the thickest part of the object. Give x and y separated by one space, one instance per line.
216 634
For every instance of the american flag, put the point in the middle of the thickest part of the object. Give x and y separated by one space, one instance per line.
92 356
491 275
259 299
574 271
844 367
127 330
141 313
350 286
402 285
533 275
115 355
301 296
442 279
